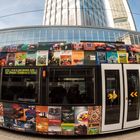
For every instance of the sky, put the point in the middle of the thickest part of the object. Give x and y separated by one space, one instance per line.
8 7
135 9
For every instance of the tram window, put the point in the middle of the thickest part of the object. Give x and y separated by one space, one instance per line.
133 100
20 85
76 86
112 111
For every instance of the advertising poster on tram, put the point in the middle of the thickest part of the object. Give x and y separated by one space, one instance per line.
89 46
121 47
100 57
66 46
66 57
19 117
9 123
22 47
131 55
110 47
30 114
12 48
135 48
89 57
54 120
8 110
44 45
10 60
1 115
5 49
32 47
122 57
42 119
9 48
67 120
3 58
81 120
112 57
138 58
1 109
42 58
19 111
99 46
67 114
1 121
31 59
23 116
19 125
67 128
54 57
77 46
94 119
56 47
1 48
77 57
20 59
8 115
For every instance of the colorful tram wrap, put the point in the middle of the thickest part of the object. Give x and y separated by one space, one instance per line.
84 88
51 120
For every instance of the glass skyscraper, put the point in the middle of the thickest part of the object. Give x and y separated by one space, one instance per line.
75 12
119 14
97 13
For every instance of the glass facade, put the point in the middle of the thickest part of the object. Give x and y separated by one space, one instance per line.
75 12
98 13
37 34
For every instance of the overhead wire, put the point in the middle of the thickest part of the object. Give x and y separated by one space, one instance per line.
19 13
41 10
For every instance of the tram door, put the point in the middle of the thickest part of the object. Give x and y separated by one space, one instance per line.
112 97
132 91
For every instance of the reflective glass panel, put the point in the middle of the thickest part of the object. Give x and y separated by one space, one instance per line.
20 85
133 95
112 107
71 85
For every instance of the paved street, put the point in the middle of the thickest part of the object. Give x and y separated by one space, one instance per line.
129 135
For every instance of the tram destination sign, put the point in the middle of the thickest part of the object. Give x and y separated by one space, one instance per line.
20 71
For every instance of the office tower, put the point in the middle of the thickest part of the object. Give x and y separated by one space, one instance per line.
97 13
75 12
119 14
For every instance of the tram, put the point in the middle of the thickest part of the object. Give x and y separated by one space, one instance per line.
59 88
